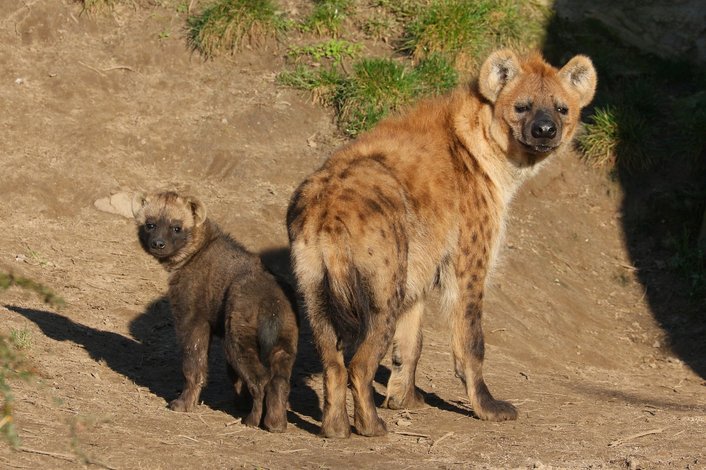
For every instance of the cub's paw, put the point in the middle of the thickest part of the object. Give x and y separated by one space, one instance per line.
180 405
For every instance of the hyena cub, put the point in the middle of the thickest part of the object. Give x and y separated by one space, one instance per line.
417 203
217 287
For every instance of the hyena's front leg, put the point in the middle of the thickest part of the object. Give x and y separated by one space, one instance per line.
469 351
194 349
406 348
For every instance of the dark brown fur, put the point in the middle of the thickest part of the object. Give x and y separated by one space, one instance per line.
217 287
416 203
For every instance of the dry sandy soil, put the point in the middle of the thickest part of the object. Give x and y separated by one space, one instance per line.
96 105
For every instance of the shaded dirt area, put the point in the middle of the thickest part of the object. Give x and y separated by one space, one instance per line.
92 106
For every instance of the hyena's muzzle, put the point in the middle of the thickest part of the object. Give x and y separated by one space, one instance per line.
542 132
161 239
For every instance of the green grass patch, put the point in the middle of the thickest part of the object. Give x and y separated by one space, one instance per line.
327 17
333 50
374 88
465 32
617 135
227 25
21 338
403 10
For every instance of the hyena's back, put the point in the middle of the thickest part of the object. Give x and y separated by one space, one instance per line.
360 227
350 247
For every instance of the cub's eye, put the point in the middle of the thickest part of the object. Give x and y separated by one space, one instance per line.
150 227
176 229
522 108
562 109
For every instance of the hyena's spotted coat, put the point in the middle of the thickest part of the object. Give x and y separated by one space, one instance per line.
417 203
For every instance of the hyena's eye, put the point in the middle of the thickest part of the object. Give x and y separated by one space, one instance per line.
176 229
522 108
150 227
562 109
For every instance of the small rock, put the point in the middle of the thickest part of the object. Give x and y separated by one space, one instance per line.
118 203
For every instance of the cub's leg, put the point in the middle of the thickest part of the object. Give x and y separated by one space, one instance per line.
246 363
277 390
243 400
469 351
406 348
194 341
362 370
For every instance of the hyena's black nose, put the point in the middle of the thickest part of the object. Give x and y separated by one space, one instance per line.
543 129
157 244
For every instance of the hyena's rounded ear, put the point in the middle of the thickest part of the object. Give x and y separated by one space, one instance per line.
499 69
580 76
198 210
138 203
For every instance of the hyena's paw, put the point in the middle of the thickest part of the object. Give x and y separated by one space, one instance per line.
180 405
375 428
336 427
497 410
409 401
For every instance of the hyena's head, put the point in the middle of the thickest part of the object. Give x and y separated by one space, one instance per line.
169 225
537 107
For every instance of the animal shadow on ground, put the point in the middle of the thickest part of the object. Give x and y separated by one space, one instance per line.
662 204
151 358
430 399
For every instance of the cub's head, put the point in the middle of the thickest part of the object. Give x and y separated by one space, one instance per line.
536 107
169 225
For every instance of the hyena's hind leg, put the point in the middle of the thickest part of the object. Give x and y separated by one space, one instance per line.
277 390
334 422
469 352
362 370
406 349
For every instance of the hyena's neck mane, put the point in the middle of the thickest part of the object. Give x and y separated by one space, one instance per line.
199 238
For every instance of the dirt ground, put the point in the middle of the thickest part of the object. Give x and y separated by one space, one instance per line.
95 105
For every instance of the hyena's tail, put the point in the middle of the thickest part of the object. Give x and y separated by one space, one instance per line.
335 290
346 299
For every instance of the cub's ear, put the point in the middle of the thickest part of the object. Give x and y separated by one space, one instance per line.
138 203
499 69
198 210
580 76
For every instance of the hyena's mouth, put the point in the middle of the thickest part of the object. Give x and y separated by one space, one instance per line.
160 254
538 148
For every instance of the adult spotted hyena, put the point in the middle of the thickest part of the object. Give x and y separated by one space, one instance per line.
217 287
419 202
